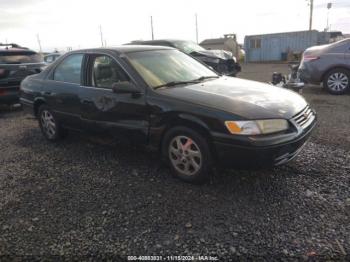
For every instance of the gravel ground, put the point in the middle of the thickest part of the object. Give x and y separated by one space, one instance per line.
81 198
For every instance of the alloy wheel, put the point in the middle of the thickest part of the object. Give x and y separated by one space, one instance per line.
338 82
48 123
185 155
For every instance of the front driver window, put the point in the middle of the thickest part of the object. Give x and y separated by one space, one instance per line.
106 72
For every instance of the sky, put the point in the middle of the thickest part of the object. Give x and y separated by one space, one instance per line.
76 23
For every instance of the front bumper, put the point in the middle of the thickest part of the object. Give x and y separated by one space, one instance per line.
254 154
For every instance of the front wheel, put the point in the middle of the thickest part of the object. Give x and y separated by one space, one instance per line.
337 81
188 154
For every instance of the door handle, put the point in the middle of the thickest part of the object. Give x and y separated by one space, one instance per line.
47 93
86 102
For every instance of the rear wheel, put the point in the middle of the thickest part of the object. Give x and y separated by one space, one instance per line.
188 154
48 123
337 81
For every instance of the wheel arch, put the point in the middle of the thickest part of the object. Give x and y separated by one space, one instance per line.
37 103
189 121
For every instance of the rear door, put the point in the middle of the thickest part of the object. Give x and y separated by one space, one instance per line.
62 88
102 110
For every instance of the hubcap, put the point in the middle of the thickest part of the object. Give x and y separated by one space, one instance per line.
338 81
48 123
185 155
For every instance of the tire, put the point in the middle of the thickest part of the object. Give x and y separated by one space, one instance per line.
337 81
188 154
49 125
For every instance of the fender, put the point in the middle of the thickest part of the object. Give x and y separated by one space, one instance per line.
194 119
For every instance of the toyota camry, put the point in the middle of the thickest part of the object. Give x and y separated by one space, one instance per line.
162 97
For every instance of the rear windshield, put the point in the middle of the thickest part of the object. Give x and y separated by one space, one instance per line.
19 57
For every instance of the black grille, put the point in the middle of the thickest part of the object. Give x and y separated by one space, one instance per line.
304 118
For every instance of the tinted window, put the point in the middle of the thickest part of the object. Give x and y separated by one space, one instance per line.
70 69
106 72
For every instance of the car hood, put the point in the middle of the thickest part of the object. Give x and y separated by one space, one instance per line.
222 54
244 98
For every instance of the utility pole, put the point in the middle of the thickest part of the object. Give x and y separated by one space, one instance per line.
38 38
101 35
311 13
329 6
152 28
196 28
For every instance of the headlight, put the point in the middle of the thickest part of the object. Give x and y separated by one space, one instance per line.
257 127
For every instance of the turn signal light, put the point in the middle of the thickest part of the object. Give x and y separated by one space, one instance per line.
233 127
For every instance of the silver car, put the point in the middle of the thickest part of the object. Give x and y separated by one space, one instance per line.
327 64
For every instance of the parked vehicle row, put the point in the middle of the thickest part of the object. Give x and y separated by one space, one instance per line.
162 97
327 64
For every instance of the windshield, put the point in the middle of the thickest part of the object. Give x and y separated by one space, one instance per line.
188 46
19 57
164 66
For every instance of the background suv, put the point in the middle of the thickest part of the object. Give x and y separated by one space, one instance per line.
328 64
16 63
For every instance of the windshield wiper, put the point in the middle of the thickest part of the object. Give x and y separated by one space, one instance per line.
175 83
194 81
205 77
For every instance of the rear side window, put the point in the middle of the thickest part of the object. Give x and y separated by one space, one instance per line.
69 70
19 57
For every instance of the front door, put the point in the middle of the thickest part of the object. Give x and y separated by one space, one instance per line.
102 110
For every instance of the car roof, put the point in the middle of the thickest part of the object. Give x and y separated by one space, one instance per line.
123 49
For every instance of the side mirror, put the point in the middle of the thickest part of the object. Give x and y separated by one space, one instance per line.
125 87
